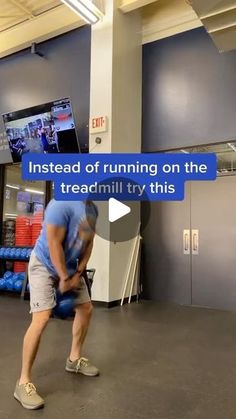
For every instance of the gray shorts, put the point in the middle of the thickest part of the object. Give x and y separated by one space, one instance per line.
43 287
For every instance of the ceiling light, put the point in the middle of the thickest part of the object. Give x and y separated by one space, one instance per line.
13 187
232 146
34 191
10 215
86 9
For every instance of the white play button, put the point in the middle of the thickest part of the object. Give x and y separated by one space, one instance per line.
117 210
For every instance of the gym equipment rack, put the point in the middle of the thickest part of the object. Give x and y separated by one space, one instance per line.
4 257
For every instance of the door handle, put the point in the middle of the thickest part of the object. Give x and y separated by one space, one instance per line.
186 242
195 242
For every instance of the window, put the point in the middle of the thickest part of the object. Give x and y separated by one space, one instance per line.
21 197
226 155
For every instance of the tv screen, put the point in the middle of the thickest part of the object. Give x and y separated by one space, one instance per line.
47 128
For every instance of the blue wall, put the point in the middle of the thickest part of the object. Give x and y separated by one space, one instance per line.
27 80
189 92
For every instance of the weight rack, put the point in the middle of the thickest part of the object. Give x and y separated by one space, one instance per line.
4 259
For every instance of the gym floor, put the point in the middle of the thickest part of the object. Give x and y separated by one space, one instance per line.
157 361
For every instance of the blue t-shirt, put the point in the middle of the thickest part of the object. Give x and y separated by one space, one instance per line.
44 142
69 215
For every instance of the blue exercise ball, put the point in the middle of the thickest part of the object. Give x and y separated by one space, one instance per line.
5 284
10 284
8 274
6 252
29 251
65 305
2 284
12 253
18 285
24 254
20 254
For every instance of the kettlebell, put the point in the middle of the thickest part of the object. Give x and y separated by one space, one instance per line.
66 304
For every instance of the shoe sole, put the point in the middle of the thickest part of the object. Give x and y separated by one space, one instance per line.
80 372
26 406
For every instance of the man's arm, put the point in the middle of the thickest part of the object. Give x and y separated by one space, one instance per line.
86 256
55 237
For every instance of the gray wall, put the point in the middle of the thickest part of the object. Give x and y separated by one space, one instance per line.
189 92
189 98
27 80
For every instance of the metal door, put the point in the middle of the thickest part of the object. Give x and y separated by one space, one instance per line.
213 213
166 263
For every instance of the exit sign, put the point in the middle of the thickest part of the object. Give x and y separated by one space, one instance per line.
98 124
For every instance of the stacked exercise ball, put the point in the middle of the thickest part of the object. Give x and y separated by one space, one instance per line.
15 253
12 281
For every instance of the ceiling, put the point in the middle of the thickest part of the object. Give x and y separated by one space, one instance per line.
165 18
14 178
23 22
219 19
15 12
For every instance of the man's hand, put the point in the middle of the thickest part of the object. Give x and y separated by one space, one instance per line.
75 280
69 284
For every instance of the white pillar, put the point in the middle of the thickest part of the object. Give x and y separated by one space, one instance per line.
116 92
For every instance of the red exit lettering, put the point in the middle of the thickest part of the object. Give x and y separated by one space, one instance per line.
98 122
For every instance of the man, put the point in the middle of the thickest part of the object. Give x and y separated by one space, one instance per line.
58 260
43 135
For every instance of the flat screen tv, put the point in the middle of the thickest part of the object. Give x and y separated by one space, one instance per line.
47 128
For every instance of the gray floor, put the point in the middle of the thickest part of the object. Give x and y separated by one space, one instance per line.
157 361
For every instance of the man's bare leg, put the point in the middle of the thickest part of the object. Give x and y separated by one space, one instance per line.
31 343
80 328
81 322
